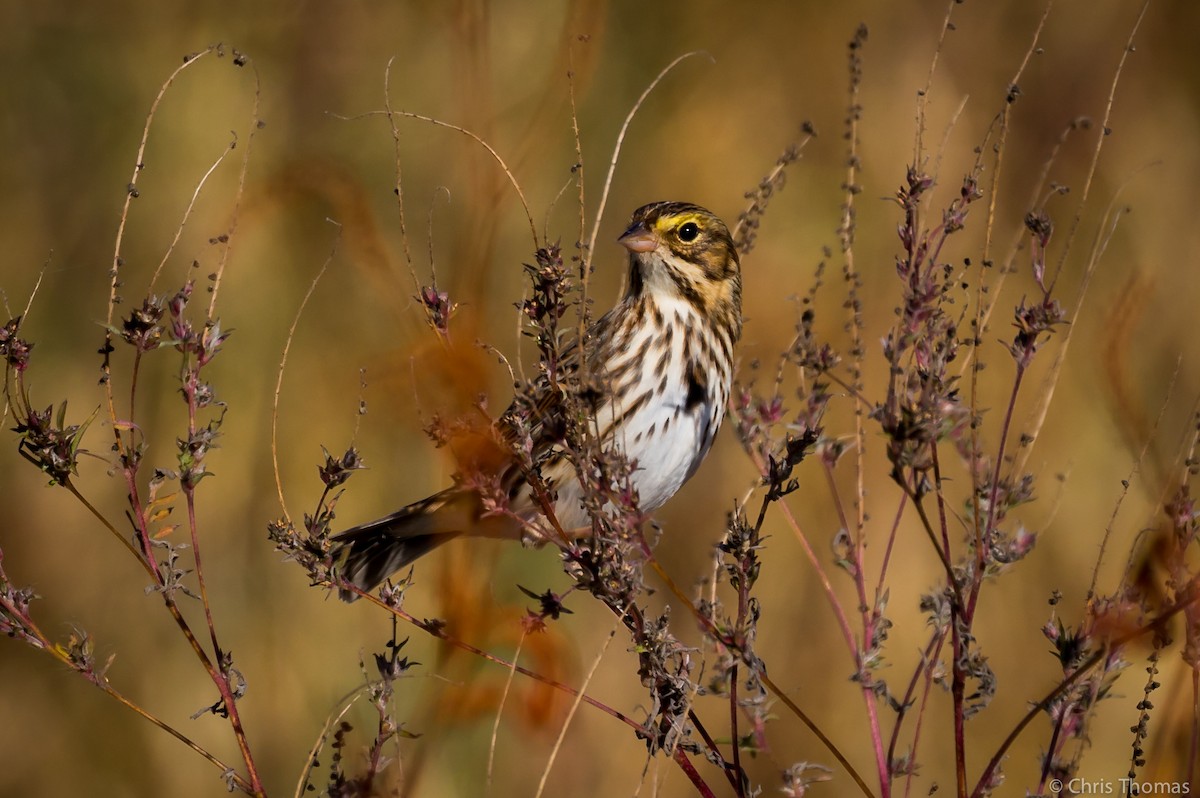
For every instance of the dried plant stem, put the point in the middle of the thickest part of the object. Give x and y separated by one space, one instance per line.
562 733
923 94
114 281
928 656
585 252
236 778
939 547
820 735
689 770
1038 415
736 741
139 164
612 164
772 181
512 180
982 308
707 625
333 717
189 494
126 451
395 131
187 214
43 643
221 673
865 679
1101 135
240 192
826 585
846 236
441 634
893 532
988 296
217 676
287 345
512 672
966 612
1186 599
846 230
37 285
980 553
91 508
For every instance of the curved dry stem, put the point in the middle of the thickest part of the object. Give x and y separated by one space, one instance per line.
434 630
585 252
187 213
91 508
33 292
758 198
235 217
230 773
707 626
512 180
1036 709
562 733
332 718
937 161
387 109
612 164
512 672
1037 416
312 286
139 164
983 310
114 274
923 94
1101 135
441 332
820 735
24 318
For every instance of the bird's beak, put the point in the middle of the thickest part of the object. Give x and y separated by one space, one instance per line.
638 239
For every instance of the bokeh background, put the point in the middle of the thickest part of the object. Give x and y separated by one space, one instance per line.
76 82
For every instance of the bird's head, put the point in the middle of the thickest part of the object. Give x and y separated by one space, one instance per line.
681 250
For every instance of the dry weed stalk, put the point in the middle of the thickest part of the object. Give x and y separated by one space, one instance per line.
929 419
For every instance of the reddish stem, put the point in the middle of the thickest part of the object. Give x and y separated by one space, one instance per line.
688 768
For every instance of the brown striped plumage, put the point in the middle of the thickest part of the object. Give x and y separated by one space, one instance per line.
664 356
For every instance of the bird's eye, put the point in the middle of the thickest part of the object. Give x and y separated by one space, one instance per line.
688 231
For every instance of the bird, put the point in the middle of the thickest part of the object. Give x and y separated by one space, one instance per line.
663 358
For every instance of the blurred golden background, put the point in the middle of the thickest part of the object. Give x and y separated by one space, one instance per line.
76 82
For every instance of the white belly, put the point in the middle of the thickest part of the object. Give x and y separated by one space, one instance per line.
666 436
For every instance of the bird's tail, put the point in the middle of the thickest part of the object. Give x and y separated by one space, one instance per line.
366 555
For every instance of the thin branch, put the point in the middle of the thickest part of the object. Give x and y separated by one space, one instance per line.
474 137
562 733
512 672
187 213
255 125
1158 623
612 164
333 717
114 274
312 286
1101 135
